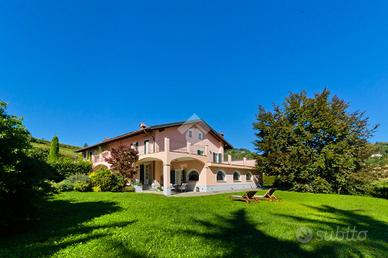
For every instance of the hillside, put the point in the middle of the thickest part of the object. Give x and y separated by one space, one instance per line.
65 150
239 154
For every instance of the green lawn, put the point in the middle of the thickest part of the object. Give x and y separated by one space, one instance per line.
136 225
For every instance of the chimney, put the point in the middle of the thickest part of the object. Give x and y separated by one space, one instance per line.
143 125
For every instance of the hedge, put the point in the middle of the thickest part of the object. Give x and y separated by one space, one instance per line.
67 167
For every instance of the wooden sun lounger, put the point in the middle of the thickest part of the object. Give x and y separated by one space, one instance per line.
247 197
268 195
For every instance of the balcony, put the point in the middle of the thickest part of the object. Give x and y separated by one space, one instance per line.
173 146
178 150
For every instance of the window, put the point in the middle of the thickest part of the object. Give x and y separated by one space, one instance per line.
190 134
90 155
249 177
146 144
217 158
84 154
200 152
236 176
200 136
193 176
136 144
220 176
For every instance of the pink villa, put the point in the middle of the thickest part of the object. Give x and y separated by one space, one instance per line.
183 155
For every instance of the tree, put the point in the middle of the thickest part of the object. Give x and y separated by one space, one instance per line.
54 150
122 160
312 144
20 175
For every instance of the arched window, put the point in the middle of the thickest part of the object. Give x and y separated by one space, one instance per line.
249 177
220 176
236 176
193 176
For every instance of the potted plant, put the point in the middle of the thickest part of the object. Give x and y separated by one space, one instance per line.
138 186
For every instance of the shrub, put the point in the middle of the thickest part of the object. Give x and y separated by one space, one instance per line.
359 184
96 189
67 167
118 183
320 185
129 188
106 181
100 167
269 180
79 178
64 186
380 189
77 182
81 186
298 187
39 154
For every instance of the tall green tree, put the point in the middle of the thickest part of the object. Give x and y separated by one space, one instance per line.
54 150
20 175
312 144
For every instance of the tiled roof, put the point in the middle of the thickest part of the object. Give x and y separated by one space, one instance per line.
155 127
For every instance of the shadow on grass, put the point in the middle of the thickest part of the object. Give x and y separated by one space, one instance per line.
346 220
60 219
237 236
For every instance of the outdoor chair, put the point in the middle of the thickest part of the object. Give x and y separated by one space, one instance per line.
183 187
247 197
268 195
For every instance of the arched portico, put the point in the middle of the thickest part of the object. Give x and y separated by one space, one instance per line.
150 172
180 169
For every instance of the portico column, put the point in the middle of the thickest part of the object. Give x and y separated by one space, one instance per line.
166 179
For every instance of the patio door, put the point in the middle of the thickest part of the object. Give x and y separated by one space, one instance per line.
145 175
176 176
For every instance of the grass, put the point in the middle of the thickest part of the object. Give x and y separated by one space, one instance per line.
138 225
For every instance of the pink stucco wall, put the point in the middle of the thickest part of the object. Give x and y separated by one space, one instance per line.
178 141
182 155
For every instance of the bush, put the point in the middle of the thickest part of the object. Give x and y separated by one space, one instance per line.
118 183
129 189
77 182
79 178
64 186
100 167
380 189
67 167
359 184
268 180
320 185
106 181
39 154
96 189
81 186
298 187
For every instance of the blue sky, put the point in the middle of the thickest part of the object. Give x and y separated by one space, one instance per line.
85 70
